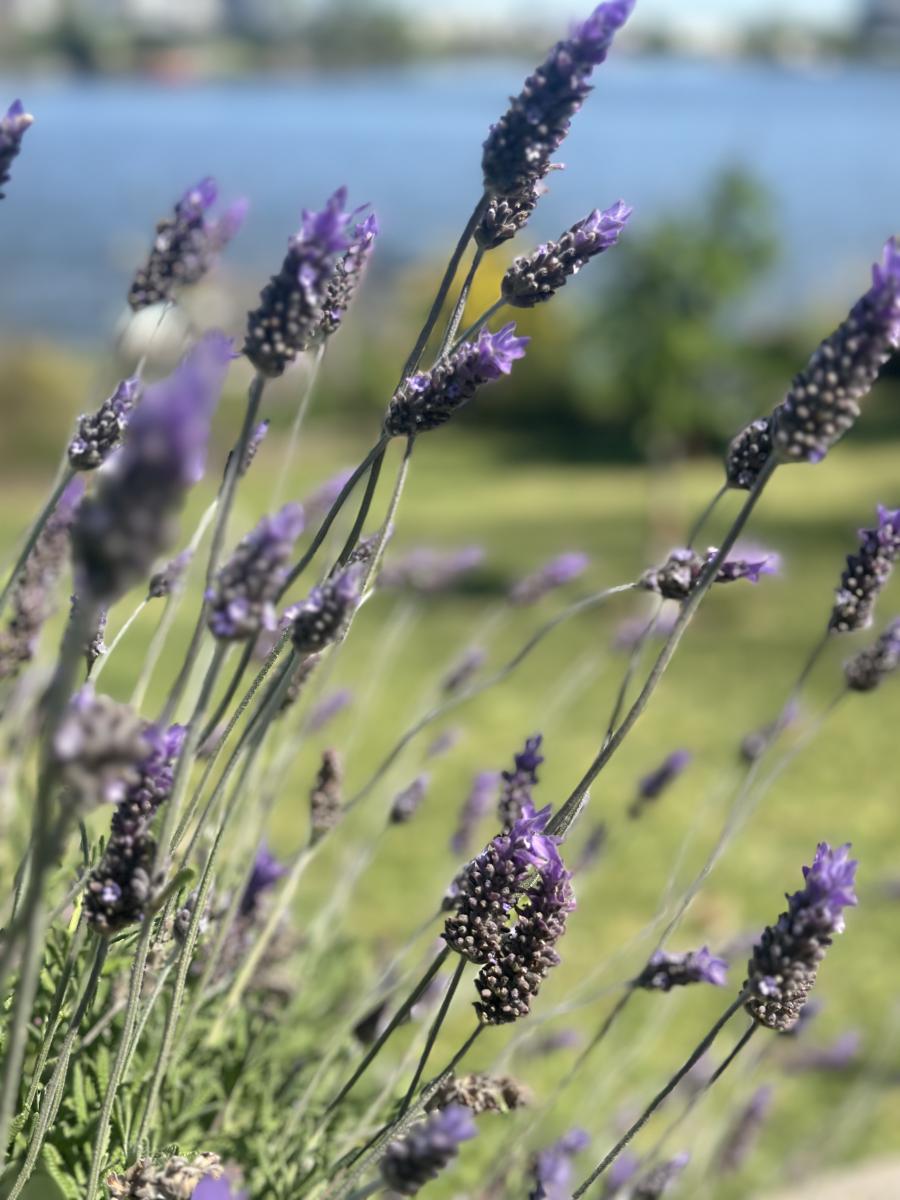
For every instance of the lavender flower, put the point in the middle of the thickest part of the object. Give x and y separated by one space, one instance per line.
515 795
97 749
427 1149
552 1168
13 125
242 597
783 966
866 573
427 400
324 616
740 1138
171 578
665 971
174 1179
407 803
748 454
869 668
97 434
320 501
267 870
477 804
122 884
680 573
656 1182
428 570
33 600
348 274
128 522
504 215
553 574
463 670
652 786
621 1171
185 246
840 1055
293 302
490 885
95 646
519 147
256 440
534 278
593 847
507 984
326 798
326 710
481 1093
216 1189
823 402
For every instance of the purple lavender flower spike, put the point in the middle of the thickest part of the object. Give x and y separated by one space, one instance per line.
216 1189
97 434
408 802
655 1183
477 805
267 871
13 127
665 971
427 1149
537 277
592 848
185 246
348 274
552 1169
129 521
679 574
652 786
741 1137
428 570
869 668
242 597
782 969
256 440
840 1055
519 147
515 795
324 616
621 1171
428 400
554 574
824 399
866 573
325 712
754 744
292 304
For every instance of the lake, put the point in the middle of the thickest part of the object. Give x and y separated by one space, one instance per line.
107 158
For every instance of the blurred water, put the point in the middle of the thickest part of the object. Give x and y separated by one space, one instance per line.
108 156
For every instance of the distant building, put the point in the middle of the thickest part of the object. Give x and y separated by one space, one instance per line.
880 23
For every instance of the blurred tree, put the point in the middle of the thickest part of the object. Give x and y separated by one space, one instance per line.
354 32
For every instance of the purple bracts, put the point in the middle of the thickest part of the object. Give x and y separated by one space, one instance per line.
13 126
552 1168
324 616
242 597
97 434
185 245
823 402
515 795
537 277
519 147
427 1149
665 971
292 304
866 573
782 969
554 574
869 668
427 400
348 273
129 521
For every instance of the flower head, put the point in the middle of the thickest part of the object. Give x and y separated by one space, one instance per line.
552 1168
427 1149
170 579
98 747
515 794
325 614
478 804
869 668
553 574
655 1183
408 802
97 434
652 786
665 971
866 573
267 870
173 1179
13 126
748 454
326 800
348 274
680 573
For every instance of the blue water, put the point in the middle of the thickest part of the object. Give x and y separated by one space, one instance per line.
107 158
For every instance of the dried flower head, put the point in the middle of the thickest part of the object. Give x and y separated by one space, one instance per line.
481 1093
293 302
13 125
515 795
97 434
98 747
552 575
429 399
680 573
325 614
665 971
427 1149
326 801
552 1168
748 454
869 668
652 786
185 245
348 275
823 402
783 966
407 802
174 1179
866 573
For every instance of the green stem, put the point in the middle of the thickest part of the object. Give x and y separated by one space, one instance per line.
300 417
365 504
477 325
459 310
433 1034
54 1018
101 665
65 478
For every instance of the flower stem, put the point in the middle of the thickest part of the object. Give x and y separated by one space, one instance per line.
459 310
302 409
433 1033
476 325
65 478
705 514
365 505
105 659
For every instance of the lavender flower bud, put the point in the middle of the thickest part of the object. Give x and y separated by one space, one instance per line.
506 214
593 847
823 402
481 1093
326 801
515 795
621 1171
443 743
748 454
97 434
742 1135
665 971
477 804
185 246
552 1168
348 274
171 577
407 803
866 573
128 522
175 1179
366 548
869 668
460 674
95 646
680 573
325 712
754 744
507 984
427 400
519 147
267 870
486 890
782 969
554 574
840 1055
97 749
324 616
537 277
652 786
426 1150
242 597
33 600
256 440
13 125
428 570
656 1182
292 303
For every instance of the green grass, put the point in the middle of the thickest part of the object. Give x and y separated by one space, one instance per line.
736 666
